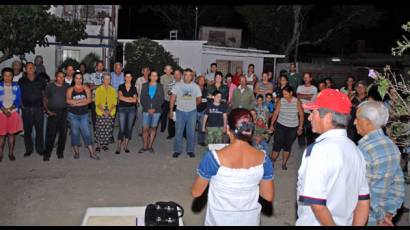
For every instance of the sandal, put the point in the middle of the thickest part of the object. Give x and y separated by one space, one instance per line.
127 150
76 156
95 157
142 150
117 152
12 158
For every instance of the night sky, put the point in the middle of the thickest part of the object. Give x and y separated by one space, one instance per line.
133 24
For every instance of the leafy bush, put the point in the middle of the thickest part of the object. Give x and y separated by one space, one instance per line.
145 52
70 61
89 60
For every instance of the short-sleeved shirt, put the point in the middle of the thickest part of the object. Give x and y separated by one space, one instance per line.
32 91
204 101
167 82
302 89
125 93
215 114
186 95
333 174
117 80
295 79
56 96
94 78
210 76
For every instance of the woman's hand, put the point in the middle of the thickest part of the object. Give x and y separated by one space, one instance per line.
300 131
271 129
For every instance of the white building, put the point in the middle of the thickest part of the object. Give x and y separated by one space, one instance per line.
198 56
101 27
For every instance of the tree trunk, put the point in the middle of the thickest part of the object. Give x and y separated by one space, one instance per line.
296 31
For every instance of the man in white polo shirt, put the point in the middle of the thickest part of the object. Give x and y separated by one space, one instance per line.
332 188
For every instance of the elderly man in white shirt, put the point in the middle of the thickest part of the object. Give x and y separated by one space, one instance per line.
332 188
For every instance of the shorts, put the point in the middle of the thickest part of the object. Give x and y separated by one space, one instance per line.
283 138
215 135
10 125
150 120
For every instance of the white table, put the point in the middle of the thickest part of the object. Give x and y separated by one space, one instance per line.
116 216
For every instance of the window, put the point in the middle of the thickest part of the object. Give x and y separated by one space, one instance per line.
74 54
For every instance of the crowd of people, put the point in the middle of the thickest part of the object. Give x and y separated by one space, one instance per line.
347 161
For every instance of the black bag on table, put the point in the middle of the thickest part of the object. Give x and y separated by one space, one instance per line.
163 214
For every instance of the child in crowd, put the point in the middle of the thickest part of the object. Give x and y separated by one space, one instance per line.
261 108
261 135
270 103
215 119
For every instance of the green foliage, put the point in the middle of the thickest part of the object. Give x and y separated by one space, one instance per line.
69 61
404 44
25 26
89 60
145 52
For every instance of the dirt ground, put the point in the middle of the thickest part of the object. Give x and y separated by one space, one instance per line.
58 192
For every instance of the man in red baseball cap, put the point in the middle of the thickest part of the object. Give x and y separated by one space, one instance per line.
332 187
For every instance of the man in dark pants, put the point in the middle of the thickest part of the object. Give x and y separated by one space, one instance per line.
56 107
305 94
32 91
167 81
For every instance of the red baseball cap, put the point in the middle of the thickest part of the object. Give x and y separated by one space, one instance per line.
330 99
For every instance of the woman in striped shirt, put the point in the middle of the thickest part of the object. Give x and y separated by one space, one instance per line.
289 116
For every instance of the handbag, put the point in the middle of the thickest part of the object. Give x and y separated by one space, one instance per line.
163 214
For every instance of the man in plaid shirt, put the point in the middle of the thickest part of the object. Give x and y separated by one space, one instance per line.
383 172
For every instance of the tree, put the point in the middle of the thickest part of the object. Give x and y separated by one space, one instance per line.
144 52
26 26
288 27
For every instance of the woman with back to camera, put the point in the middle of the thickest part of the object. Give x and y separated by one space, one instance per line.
237 175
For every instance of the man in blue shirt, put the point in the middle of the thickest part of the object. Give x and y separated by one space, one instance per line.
117 77
383 172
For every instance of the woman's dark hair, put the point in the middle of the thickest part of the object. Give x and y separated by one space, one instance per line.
238 128
268 94
149 76
216 92
7 69
128 72
75 74
283 76
251 65
228 75
220 74
349 77
288 89
362 82
259 96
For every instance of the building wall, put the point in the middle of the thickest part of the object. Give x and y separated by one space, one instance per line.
207 59
188 54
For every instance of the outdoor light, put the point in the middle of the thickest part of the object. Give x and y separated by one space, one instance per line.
336 59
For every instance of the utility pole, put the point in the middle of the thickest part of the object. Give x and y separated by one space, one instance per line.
196 22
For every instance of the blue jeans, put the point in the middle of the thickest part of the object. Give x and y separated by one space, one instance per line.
127 117
150 120
200 119
80 126
188 120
